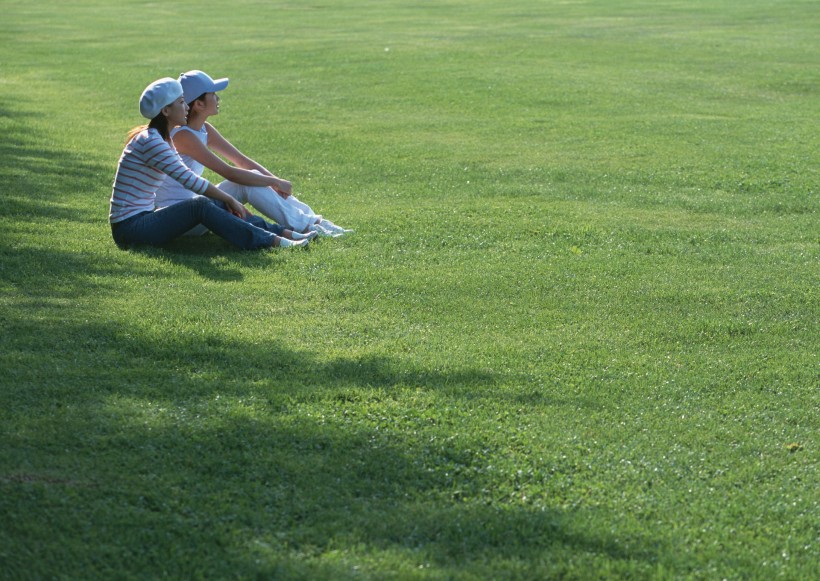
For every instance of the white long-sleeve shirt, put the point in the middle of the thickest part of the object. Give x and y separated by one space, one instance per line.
145 161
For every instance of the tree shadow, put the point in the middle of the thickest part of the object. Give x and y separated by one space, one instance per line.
186 457
40 179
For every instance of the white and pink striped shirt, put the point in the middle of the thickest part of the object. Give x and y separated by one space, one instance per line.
144 162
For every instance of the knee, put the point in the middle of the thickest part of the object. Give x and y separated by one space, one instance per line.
201 204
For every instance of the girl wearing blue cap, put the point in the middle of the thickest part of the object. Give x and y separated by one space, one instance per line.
148 157
198 142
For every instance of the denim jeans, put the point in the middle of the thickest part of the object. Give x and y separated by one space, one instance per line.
161 226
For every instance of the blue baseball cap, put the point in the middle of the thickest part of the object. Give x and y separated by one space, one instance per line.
196 83
159 94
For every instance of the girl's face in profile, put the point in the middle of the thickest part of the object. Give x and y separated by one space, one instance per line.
177 112
211 104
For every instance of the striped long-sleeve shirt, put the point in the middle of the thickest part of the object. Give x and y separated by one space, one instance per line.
144 162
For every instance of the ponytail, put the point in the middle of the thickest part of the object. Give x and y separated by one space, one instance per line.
134 132
160 123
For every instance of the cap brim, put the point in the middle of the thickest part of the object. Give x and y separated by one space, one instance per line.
220 84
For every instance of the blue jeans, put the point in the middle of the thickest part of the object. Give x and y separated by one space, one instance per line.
161 226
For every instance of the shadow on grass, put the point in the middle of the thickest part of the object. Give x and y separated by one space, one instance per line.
192 457
213 258
40 179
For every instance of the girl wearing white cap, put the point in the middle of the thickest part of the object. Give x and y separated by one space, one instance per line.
245 180
148 157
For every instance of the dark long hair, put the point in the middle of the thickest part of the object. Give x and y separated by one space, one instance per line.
160 123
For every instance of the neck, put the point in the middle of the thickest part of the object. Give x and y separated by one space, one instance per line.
195 122
171 127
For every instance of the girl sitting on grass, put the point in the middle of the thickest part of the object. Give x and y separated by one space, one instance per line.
245 180
148 157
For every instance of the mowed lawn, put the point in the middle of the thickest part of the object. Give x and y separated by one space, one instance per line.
575 334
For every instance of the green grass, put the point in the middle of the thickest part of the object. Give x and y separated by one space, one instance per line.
574 336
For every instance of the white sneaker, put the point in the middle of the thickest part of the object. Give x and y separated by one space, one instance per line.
320 231
307 236
285 243
338 230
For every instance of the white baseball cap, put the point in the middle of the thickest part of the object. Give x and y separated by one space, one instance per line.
157 95
197 83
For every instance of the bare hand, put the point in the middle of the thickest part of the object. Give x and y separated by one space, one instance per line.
237 209
284 188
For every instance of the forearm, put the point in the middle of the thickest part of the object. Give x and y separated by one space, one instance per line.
247 177
250 165
233 205
251 178
215 193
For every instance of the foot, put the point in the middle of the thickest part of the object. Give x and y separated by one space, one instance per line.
306 236
285 243
328 225
320 231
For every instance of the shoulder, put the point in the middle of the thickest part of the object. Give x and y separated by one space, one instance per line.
151 134
181 129
187 137
215 138
153 146
212 132
147 140
138 136
150 137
